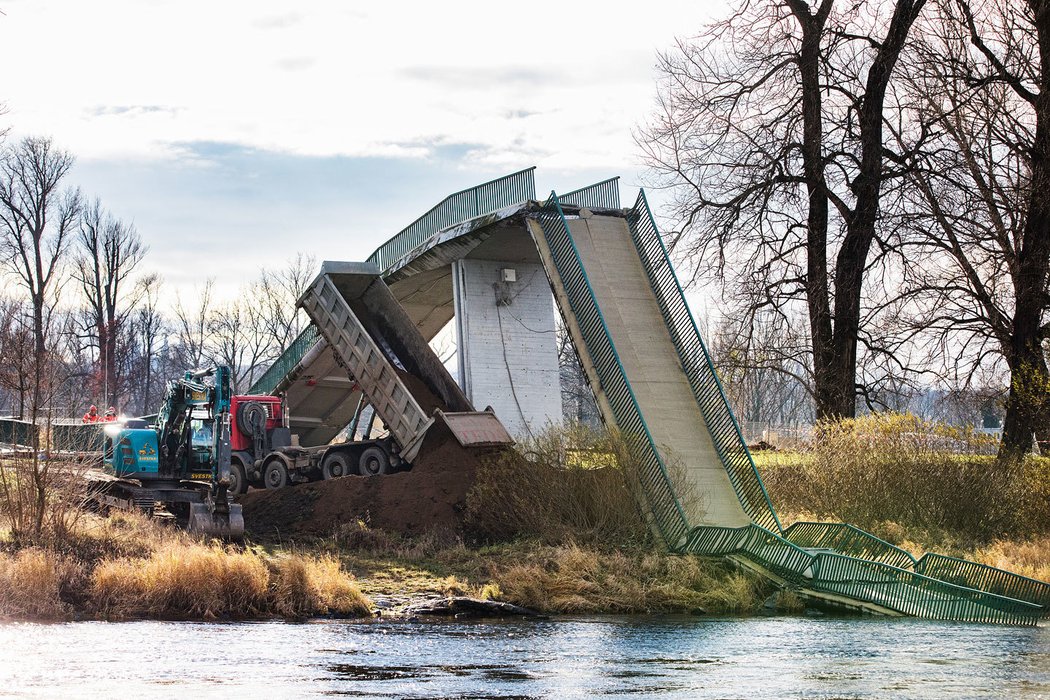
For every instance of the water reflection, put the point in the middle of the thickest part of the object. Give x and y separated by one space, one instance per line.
569 658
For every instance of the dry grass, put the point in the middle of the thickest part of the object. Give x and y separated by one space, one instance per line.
1030 558
198 581
895 472
128 566
571 579
303 586
34 584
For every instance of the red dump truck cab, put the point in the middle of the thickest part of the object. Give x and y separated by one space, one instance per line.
243 408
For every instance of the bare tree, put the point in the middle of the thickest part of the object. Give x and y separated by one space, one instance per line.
275 295
16 352
149 329
191 326
764 370
108 252
769 131
980 208
37 219
238 338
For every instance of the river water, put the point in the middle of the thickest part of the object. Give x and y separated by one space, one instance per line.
687 657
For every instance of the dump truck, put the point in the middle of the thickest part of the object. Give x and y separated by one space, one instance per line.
387 362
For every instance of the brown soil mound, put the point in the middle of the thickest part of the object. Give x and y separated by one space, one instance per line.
431 497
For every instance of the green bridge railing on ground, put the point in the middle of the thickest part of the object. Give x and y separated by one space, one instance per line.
837 560
17 433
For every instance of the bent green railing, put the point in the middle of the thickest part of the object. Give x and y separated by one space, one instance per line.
914 594
696 362
667 511
860 581
483 199
847 539
292 355
765 548
985 578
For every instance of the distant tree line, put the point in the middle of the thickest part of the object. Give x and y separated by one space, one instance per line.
83 319
867 184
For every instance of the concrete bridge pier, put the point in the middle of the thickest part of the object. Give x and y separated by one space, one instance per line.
506 342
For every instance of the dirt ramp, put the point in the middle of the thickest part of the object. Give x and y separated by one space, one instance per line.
430 497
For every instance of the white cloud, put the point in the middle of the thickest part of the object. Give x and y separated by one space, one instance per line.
127 78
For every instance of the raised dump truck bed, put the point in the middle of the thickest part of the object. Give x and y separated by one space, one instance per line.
371 336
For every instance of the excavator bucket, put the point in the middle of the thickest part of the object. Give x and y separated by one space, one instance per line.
207 519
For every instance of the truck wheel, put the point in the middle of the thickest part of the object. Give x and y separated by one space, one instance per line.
238 481
275 474
373 462
335 466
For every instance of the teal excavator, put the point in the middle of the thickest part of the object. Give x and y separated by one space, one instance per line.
181 462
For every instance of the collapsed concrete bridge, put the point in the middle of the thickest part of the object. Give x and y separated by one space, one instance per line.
496 261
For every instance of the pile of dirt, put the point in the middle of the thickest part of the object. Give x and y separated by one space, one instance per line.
430 497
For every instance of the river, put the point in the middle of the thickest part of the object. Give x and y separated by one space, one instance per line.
662 657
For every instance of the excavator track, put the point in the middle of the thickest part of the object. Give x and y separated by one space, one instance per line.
189 503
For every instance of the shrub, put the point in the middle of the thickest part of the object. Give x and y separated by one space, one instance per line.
567 483
888 471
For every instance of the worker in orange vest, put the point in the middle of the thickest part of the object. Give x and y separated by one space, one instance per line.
92 415
111 415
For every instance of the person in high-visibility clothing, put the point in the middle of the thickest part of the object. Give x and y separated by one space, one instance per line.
92 415
111 415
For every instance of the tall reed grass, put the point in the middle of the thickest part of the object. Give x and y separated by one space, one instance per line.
128 566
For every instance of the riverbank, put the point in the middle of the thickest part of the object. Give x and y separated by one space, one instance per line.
128 567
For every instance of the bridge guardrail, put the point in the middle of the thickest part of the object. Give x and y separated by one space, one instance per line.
707 388
667 510
458 207
286 362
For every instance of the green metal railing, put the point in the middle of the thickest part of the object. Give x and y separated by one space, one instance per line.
78 437
17 432
914 594
601 195
847 539
985 578
858 580
292 355
667 511
484 199
696 362
765 548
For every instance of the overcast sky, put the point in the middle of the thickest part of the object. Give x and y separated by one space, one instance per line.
235 134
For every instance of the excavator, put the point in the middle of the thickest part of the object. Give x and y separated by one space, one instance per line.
181 462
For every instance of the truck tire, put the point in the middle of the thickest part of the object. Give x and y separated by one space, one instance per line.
336 465
373 462
238 480
275 474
